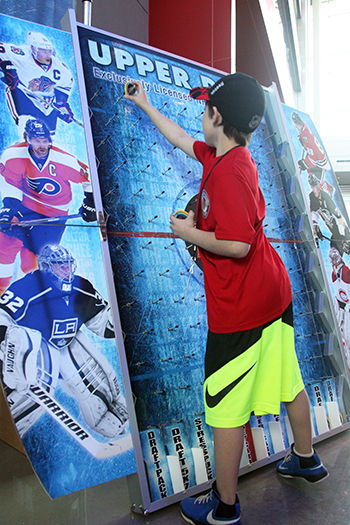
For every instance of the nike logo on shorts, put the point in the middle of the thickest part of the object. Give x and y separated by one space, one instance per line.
213 401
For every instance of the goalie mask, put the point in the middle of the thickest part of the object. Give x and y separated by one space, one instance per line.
60 264
38 41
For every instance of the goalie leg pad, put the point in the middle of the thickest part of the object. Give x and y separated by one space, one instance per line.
23 410
20 349
96 391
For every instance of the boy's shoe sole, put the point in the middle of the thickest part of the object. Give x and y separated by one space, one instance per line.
212 520
309 479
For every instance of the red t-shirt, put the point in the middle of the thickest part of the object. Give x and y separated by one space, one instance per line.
251 291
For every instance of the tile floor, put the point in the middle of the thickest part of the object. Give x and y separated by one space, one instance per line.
266 499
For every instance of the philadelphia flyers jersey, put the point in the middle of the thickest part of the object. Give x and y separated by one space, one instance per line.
46 189
38 81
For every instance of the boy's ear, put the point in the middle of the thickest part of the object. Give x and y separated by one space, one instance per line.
217 118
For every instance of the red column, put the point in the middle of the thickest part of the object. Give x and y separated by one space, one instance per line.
196 29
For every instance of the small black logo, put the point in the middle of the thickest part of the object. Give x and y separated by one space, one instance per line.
213 401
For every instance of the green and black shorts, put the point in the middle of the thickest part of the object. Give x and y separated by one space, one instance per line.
250 372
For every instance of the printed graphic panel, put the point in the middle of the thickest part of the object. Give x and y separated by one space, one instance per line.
160 290
60 367
329 217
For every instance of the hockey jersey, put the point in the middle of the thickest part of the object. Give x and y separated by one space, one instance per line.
316 156
48 190
35 302
341 285
37 81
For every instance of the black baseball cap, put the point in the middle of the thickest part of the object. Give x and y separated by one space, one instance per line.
239 98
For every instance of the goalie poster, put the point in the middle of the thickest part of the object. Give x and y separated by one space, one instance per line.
59 362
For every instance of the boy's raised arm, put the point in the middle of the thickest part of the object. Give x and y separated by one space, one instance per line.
174 133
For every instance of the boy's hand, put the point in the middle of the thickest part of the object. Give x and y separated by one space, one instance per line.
139 97
183 227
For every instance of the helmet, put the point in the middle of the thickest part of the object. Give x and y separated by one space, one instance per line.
313 180
38 41
296 119
36 128
335 258
57 261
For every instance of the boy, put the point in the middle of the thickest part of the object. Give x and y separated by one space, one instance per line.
250 362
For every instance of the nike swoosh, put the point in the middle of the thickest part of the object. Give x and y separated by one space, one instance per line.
212 401
213 521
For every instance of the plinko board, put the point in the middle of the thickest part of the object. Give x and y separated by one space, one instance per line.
60 368
160 289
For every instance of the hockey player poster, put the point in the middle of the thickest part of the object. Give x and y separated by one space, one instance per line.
59 362
330 222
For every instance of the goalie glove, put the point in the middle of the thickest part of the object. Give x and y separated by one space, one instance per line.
302 165
64 111
10 77
9 215
88 210
20 350
109 330
102 323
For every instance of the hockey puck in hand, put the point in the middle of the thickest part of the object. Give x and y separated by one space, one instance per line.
130 89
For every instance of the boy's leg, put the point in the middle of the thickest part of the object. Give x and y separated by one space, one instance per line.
221 505
228 447
300 419
302 461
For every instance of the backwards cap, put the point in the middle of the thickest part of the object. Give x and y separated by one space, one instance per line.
239 99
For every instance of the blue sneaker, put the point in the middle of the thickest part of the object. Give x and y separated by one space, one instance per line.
294 466
209 510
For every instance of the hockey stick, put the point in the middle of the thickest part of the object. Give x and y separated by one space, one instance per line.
26 90
81 435
47 220
73 119
327 238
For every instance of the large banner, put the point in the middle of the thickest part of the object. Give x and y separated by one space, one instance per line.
330 222
60 368
158 280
